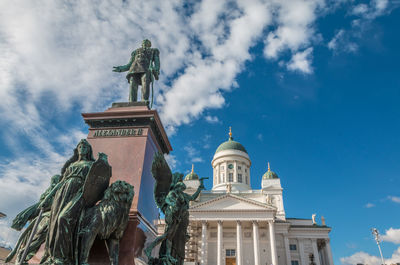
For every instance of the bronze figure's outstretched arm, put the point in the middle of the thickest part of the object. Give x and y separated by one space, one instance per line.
124 68
199 189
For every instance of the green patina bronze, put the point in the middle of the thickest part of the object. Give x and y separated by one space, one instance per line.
174 203
107 220
143 68
71 215
31 215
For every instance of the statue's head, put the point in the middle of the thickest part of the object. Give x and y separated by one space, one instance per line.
180 186
84 150
146 43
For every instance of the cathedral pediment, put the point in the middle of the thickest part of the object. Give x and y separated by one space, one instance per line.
230 202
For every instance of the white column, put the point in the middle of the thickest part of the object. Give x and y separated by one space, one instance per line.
203 260
219 243
302 254
329 251
274 256
287 250
315 250
256 244
239 255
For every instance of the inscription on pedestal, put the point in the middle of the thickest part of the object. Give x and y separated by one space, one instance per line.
118 132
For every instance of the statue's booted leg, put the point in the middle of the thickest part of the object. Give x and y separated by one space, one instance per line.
133 89
146 80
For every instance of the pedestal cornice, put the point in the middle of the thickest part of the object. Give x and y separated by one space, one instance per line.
131 116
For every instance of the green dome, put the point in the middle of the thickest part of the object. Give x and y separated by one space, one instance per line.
270 174
192 175
231 145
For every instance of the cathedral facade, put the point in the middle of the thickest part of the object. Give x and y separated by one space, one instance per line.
233 224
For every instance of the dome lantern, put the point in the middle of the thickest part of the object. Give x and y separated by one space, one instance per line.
192 175
270 174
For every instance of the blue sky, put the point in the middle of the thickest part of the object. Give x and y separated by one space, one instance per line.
311 86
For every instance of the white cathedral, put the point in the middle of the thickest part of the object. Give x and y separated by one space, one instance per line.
232 224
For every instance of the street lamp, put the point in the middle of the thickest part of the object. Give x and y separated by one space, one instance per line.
375 232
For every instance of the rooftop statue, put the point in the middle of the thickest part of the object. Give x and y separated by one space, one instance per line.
70 216
143 68
174 203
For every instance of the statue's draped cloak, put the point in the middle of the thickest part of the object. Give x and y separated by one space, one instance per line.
65 213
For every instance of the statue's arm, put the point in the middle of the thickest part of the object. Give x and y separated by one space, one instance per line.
197 193
124 68
156 60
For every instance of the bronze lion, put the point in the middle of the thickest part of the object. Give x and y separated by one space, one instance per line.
107 220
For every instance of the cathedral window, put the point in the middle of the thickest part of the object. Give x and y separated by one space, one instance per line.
231 253
240 178
222 167
293 247
247 180
230 177
295 262
239 167
245 170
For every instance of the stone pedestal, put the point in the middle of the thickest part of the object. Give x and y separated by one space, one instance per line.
130 134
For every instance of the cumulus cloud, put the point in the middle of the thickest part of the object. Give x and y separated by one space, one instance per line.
301 61
392 235
365 258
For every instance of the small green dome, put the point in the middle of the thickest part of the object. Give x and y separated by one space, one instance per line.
270 174
231 145
192 175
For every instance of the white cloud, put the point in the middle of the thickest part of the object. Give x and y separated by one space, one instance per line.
346 40
193 154
341 42
392 235
211 119
365 258
301 61
360 9
171 160
369 205
295 26
394 199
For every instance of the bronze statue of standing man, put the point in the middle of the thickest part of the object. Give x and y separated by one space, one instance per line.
143 68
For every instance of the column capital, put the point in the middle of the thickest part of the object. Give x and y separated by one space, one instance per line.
238 222
255 222
270 221
220 222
